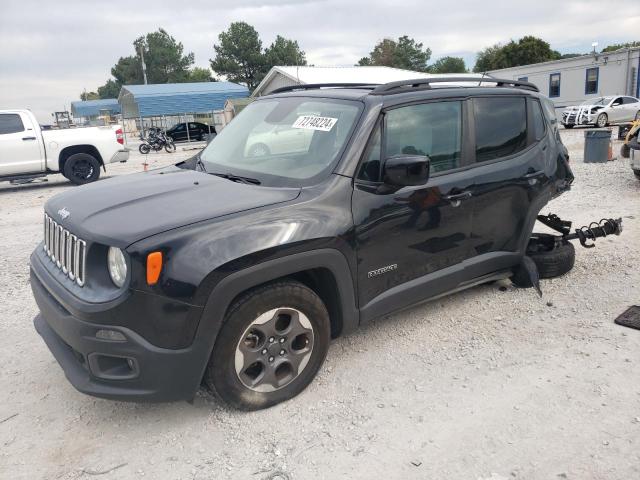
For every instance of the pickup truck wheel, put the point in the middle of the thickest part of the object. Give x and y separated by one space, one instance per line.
81 168
273 341
551 259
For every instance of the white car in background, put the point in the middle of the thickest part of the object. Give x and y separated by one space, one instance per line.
602 112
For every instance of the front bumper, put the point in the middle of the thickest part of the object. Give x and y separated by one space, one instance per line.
129 368
577 119
120 156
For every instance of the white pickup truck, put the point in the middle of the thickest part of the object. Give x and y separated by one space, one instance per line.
27 151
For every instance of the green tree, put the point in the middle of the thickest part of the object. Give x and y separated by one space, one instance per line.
198 74
164 58
165 62
448 65
404 53
618 46
89 96
527 50
283 52
111 89
239 55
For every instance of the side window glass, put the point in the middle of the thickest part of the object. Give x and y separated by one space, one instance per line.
370 166
550 111
10 123
629 100
433 129
538 120
501 127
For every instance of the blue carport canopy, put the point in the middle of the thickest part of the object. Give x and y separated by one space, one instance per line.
177 98
92 108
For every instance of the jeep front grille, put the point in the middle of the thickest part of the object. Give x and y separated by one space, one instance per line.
65 250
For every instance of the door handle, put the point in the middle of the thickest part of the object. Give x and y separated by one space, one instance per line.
28 138
456 198
535 174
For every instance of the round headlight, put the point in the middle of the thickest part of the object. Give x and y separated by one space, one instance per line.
117 266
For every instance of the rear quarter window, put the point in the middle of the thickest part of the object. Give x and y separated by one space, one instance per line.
501 127
10 123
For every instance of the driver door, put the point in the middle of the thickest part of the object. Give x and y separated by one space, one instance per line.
616 112
412 240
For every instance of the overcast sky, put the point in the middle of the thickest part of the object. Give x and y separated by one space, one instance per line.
52 50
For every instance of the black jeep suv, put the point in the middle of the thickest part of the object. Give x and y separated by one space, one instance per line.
236 267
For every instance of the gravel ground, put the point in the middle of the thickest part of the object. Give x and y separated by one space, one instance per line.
491 383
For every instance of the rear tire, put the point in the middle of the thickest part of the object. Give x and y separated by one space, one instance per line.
81 168
569 126
248 353
144 148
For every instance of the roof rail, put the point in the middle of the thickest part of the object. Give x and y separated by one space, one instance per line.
425 83
311 86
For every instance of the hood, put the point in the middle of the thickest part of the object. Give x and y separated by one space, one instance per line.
123 210
585 108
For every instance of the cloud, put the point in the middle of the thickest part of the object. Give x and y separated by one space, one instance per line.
51 51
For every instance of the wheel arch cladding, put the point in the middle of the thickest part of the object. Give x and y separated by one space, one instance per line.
312 268
66 152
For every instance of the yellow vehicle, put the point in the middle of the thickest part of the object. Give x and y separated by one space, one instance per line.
631 139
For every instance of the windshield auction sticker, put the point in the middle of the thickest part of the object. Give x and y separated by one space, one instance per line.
313 122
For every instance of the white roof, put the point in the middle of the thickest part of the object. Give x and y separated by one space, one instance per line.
307 74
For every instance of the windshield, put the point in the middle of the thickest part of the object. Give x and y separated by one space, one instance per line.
598 101
286 141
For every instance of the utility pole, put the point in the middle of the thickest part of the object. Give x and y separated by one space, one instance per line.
144 67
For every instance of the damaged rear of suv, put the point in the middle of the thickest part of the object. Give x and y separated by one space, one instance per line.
317 209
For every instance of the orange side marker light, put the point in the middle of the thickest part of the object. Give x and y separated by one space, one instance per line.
154 267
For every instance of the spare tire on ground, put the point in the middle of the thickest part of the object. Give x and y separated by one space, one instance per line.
552 257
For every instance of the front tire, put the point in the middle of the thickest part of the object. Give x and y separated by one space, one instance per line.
272 343
170 147
552 260
81 168
569 126
602 120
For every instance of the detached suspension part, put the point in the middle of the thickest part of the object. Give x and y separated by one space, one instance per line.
586 233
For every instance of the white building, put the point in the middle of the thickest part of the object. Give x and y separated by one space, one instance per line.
289 76
571 81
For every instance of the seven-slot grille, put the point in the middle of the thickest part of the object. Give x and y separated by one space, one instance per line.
67 251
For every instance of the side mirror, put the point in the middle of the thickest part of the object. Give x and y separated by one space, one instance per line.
406 170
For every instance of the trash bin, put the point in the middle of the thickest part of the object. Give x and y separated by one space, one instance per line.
596 145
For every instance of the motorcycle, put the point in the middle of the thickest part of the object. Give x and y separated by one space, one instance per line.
156 140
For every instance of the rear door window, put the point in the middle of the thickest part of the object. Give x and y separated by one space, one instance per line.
501 127
10 123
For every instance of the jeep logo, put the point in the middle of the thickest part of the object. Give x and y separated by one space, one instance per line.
64 213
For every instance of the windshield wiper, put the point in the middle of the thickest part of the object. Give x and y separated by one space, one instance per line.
237 178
